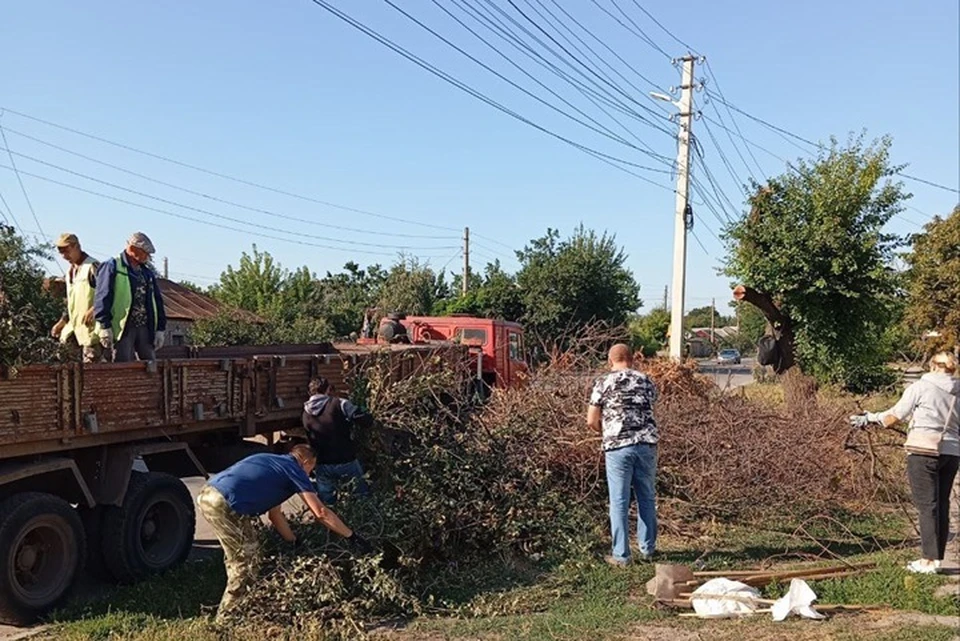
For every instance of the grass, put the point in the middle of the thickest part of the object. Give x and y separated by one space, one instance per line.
578 599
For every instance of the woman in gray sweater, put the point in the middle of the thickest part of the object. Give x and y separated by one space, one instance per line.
933 404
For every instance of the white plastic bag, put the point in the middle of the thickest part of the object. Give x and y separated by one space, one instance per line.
723 598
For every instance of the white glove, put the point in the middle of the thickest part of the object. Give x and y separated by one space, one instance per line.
158 339
106 338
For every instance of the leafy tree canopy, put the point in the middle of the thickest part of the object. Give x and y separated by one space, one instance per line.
813 254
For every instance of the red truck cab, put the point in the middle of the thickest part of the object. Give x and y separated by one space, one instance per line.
498 345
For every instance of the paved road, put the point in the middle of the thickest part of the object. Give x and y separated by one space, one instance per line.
729 376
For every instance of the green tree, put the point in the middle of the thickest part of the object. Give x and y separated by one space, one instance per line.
413 288
347 294
933 282
494 295
700 317
291 303
813 257
648 333
566 284
27 308
256 285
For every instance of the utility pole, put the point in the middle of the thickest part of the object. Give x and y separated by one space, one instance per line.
664 298
166 268
683 214
464 286
713 320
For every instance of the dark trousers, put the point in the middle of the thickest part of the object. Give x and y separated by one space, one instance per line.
134 343
931 479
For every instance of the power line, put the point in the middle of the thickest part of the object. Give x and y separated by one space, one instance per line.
196 220
235 179
223 200
815 145
558 24
496 25
423 64
23 189
602 42
214 214
732 120
642 34
614 86
928 182
665 30
599 128
11 217
510 36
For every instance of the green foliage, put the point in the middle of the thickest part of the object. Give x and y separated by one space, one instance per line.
814 241
27 309
700 317
934 284
567 284
648 333
226 330
346 295
413 288
494 295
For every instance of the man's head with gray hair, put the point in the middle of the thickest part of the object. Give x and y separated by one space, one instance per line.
140 248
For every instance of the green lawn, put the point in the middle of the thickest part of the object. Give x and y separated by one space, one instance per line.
580 599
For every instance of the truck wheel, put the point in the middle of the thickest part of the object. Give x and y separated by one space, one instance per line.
152 531
42 549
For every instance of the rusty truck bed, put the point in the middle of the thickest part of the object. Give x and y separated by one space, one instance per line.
50 408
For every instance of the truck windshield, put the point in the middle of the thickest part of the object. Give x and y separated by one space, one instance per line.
469 335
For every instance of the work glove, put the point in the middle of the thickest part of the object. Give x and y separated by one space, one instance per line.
159 338
861 421
106 338
359 544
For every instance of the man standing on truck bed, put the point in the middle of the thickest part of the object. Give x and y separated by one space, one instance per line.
128 304
327 421
233 500
77 328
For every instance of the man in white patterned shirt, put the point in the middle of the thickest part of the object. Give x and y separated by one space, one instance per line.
621 409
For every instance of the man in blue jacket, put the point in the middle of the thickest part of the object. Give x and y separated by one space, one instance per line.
128 305
233 500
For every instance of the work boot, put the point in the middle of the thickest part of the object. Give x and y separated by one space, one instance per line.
615 562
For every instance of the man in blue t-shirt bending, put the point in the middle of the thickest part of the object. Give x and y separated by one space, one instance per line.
233 500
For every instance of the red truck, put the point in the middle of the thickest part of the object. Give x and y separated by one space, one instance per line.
497 346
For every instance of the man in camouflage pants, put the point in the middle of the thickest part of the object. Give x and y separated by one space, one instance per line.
233 500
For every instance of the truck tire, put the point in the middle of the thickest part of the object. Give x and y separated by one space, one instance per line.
42 550
152 531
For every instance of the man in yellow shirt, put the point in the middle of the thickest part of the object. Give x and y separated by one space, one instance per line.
76 327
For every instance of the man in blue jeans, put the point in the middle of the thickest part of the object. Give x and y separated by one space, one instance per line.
328 422
621 409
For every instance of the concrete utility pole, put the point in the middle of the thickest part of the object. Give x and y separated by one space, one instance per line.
713 320
466 261
166 267
664 298
683 214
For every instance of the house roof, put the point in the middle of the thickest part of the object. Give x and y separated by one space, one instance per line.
181 303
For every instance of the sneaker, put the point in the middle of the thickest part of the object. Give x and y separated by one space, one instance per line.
615 562
922 566
649 558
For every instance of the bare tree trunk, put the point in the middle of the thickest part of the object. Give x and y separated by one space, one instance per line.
780 322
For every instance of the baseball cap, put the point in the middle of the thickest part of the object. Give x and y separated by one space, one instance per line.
141 241
66 240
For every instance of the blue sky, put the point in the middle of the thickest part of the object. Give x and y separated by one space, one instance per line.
284 95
